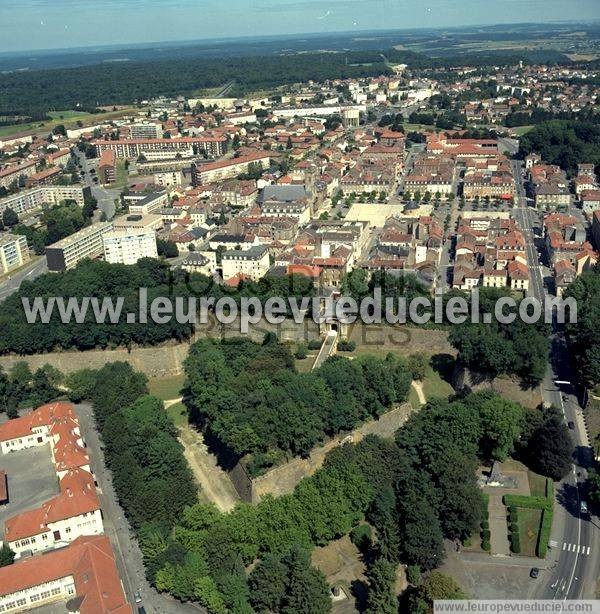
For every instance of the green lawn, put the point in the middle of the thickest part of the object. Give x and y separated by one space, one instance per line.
521 130
178 414
66 114
529 526
166 388
537 484
434 386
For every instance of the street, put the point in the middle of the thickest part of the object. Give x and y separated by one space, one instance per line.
127 552
105 197
575 559
31 271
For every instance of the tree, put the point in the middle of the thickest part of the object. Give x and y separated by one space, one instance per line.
9 218
7 556
381 598
289 584
550 449
417 365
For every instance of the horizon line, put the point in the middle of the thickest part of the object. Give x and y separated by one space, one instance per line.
225 39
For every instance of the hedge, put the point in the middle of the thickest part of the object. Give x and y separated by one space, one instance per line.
532 503
515 543
485 535
485 545
513 527
485 524
513 516
314 344
544 534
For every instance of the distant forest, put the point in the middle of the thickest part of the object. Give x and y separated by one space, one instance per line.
87 87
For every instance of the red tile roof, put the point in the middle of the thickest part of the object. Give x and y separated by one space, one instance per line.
91 563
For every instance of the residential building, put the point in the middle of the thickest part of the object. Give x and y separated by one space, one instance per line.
136 221
590 201
16 173
251 263
46 176
211 172
107 167
168 178
145 130
84 575
134 148
204 263
86 243
147 203
128 246
29 200
14 252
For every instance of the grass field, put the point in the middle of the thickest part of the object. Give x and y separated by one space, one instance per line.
122 175
435 386
537 484
521 130
529 526
166 388
178 414
69 120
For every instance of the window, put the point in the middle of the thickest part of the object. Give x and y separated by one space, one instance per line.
21 601
56 591
45 594
68 530
34 598
45 536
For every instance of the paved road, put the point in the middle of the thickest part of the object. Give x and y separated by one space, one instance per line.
116 527
105 197
35 269
576 559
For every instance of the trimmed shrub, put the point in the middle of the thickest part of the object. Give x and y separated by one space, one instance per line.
513 516
485 545
315 344
346 346
485 535
485 524
532 503
467 542
515 543
513 528
301 352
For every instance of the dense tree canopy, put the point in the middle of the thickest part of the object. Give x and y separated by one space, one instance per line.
566 143
584 336
251 400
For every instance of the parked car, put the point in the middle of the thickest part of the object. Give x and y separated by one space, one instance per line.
571 425
138 597
534 573
583 508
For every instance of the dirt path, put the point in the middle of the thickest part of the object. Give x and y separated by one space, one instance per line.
418 388
215 482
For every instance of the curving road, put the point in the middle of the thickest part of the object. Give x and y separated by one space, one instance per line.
31 271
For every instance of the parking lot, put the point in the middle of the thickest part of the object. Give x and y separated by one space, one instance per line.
31 480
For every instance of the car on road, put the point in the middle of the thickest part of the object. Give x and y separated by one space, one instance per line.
583 508
137 596
534 573
571 425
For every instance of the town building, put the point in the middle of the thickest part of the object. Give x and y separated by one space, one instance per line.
128 246
210 172
86 243
84 575
107 167
251 263
27 201
213 146
14 252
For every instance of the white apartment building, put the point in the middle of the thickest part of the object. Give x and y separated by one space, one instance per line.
168 179
143 205
128 246
14 252
252 263
86 243
29 200
145 130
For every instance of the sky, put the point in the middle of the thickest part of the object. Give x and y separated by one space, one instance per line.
56 24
